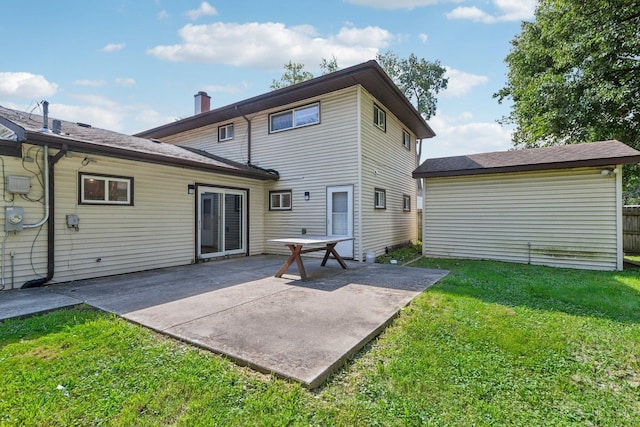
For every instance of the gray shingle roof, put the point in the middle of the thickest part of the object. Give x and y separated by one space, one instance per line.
100 141
601 153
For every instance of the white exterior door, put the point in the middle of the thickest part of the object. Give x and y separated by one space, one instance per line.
221 221
340 217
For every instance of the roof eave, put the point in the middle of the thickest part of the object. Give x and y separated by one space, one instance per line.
18 130
531 167
318 86
40 138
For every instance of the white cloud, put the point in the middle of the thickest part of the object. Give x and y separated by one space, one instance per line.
229 88
147 118
460 135
506 10
395 4
423 37
516 10
113 47
461 83
95 100
125 82
163 14
25 85
269 45
205 9
96 116
471 13
90 83
102 112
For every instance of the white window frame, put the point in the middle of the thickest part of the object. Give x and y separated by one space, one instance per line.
294 119
406 139
225 129
380 198
280 196
406 203
107 179
379 118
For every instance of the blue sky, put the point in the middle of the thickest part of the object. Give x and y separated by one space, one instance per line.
129 65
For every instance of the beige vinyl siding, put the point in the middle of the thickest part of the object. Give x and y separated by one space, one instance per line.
311 159
206 138
562 218
386 164
157 231
343 150
21 243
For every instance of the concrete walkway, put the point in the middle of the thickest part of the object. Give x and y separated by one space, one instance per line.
302 330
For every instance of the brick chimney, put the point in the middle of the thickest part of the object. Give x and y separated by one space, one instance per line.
203 102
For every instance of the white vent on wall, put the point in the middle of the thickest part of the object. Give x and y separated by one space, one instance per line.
8 134
18 184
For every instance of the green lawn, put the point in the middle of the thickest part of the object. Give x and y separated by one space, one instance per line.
491 344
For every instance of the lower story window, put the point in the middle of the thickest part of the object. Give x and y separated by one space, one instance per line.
105 189
380 199
280 200
406 203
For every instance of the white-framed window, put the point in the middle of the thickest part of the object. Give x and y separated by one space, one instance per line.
406 140
379 118
406 203
97 189
380 200
280 200
295 118
225 132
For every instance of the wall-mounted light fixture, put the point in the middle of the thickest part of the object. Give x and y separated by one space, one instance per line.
608 172
191 189
306 196
88 160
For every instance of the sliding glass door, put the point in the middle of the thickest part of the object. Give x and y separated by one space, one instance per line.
221 221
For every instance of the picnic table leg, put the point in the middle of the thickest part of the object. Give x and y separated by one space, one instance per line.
295 256
332 251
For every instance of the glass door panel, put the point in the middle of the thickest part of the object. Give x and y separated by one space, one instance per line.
340 217
233 222
221 222
340 223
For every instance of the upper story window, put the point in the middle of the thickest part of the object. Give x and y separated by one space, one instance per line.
225 132
379 118
280 200
380 200
406 140
296 117
105 190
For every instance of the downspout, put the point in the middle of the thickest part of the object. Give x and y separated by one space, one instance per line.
248 135
49 197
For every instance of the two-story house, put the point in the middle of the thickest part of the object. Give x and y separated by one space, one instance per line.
330 156
343 146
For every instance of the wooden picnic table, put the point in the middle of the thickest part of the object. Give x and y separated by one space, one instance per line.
315 243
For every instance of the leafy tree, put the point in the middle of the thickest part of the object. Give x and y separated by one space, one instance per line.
420 81
293 73
329 66
574 76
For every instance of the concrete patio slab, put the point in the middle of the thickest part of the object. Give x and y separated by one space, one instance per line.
29 302
296 329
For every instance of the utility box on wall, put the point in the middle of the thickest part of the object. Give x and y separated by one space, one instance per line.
18 184
13 218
